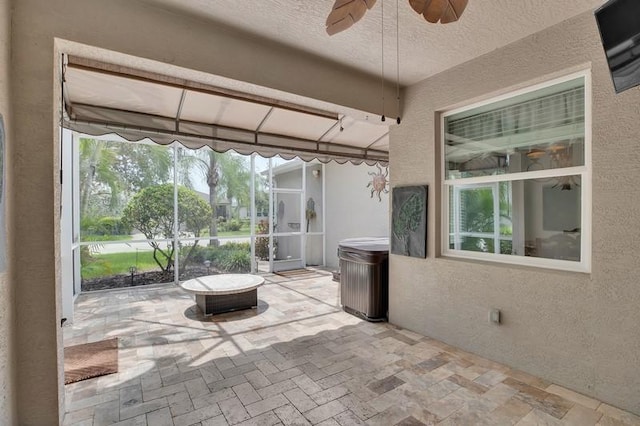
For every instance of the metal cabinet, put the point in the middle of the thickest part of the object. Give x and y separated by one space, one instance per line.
364 277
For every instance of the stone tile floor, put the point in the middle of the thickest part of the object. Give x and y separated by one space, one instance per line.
297 359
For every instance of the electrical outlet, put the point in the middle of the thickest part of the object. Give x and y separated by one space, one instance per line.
494 316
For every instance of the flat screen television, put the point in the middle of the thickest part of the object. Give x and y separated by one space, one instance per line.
619 26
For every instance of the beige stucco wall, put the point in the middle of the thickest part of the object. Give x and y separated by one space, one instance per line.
7 299
578 330
133 28
351 211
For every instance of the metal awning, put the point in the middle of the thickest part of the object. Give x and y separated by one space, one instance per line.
103 99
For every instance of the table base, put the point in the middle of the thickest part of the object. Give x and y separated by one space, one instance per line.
217 304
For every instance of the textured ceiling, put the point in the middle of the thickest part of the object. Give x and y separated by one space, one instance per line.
425 49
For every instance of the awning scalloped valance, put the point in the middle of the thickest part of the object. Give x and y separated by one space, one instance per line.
197 135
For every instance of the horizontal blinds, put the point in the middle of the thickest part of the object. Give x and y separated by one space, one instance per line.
544 119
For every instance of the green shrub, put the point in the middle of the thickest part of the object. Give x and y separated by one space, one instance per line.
198 254
104 226
236 246
89 225
230 257
234 225
112 226
151 212
262 243
236 261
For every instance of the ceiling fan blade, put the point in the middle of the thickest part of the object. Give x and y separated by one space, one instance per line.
340 25
453 11
345 13
445 11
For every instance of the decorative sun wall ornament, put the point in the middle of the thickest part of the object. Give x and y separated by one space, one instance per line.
379 181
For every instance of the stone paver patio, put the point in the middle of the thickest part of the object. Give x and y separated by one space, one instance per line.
296 360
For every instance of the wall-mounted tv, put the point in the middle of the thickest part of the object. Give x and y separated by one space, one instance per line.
619 25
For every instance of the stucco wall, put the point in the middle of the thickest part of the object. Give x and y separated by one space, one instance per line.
351 212
133 28
578 330
7 299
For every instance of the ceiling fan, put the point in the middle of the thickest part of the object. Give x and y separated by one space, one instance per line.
345 13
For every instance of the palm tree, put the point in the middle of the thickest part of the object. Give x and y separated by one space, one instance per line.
234 179
97 174
221 171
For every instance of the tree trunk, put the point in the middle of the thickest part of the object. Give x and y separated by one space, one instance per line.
168 257
87 183
212 181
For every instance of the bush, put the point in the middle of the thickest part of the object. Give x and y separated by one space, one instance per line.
150 211
112 226
88 225
104 226
236 246
234 225
198 254
222 223
230 257
262 243
236 261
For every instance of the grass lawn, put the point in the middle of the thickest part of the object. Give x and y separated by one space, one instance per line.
245 231
117 263
105 237
241 233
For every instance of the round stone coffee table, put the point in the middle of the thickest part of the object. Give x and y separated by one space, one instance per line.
216 294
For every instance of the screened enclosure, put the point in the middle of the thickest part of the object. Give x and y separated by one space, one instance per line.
146 213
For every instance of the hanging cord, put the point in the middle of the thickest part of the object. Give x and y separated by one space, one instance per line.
398 60
382 58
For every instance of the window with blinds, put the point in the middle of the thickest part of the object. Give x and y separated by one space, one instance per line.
516 177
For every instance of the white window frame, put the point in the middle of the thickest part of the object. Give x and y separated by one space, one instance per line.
584 171
495 235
